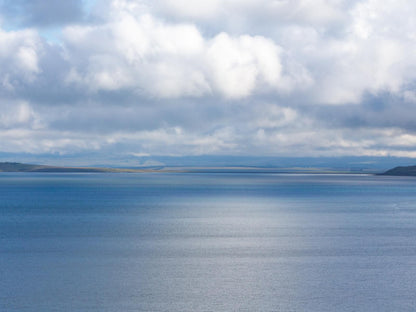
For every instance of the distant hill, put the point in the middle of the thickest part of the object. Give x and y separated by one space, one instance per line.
19 167
401 171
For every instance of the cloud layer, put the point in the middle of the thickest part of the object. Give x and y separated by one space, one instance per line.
231 77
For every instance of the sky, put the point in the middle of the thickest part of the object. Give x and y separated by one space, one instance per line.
134 78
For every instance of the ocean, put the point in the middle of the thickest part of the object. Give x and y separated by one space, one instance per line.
207 242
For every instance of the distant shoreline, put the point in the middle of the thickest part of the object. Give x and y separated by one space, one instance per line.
21 167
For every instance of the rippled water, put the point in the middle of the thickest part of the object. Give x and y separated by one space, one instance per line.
207 242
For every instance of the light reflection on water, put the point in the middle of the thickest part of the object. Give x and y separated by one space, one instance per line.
207 242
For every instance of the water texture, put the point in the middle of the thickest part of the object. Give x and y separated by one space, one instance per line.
207 242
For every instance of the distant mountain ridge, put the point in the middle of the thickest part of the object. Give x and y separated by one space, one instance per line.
401 171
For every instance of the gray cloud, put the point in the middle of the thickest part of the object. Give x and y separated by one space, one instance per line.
375 111
41 13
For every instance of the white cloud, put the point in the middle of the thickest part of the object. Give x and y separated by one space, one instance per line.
171 60
375 56
141 54
19 57
18 114
216 77
240 65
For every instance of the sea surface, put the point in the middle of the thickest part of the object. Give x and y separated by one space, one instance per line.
207 242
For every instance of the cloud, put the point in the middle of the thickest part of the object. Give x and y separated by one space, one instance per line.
19 58
142 55
375 54
41 13
232 77
241 15
153 58
239 65
18 115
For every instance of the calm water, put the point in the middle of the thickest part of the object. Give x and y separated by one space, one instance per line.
207 242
